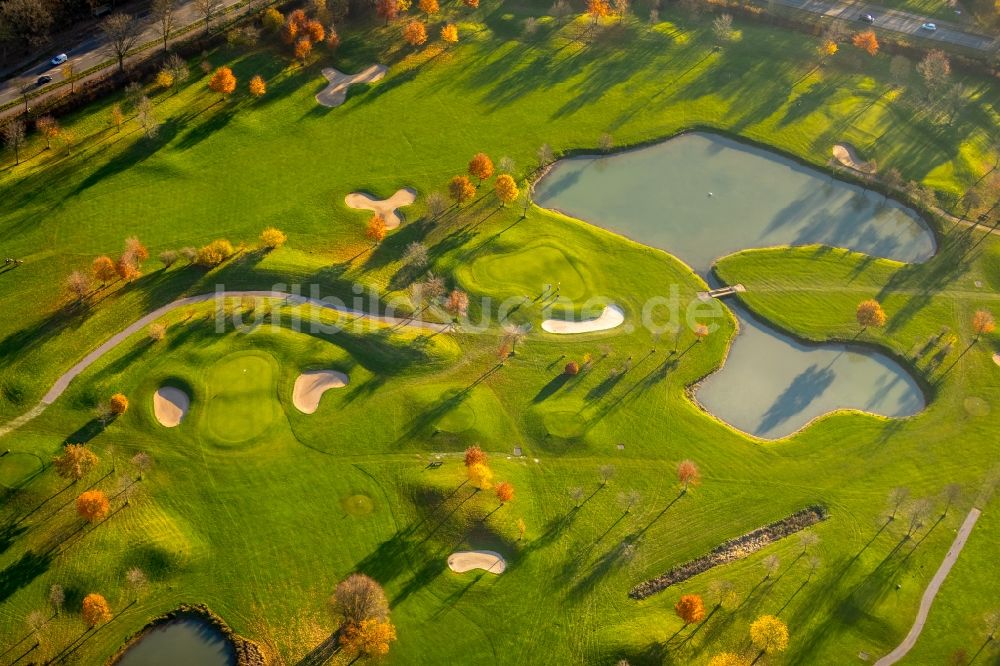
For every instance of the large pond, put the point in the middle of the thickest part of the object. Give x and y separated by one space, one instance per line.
700 197
188 642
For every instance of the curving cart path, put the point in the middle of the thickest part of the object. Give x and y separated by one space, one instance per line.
63 382
932 590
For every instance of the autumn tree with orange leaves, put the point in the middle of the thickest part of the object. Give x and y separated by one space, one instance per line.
866 41
449 34
118 404
688 474
481 166
983 323
387 10
104 270
870 314
371 637
505 491
376 229
257 86
92 505
506 189
95 610
461 189
223 82
598 9
480 476
75 462
429 6
690 608
458 303
415 33
474 455
303 48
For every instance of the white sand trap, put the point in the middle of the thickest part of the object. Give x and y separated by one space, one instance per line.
996 358
467 560
844 154
384 207
311 385
170 404
611 317
335 94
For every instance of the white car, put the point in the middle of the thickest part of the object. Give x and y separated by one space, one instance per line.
59 59
929 27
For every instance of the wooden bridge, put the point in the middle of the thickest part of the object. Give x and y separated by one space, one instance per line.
721 291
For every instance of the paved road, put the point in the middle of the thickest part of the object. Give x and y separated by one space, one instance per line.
88 360
932 590
897 21
90 51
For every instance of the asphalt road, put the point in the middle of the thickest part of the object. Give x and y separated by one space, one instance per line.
897 21
91 51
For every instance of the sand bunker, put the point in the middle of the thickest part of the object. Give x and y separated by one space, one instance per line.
845 154
310 387
384 207
467 560
996 358
170 404
611 317
335 94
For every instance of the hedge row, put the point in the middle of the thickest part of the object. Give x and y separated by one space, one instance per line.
734 549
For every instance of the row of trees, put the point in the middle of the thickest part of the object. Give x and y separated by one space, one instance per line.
870 314
480 474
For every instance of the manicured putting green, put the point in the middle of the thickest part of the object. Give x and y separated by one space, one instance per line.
976 406
357 505
242 399
526 272
564 424
458 419
17 468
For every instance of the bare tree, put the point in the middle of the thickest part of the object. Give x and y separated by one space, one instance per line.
416 255
121 32
629 499
437 203
178 69
36 621
606 142
57 597
506 165
545 155
136 579
808 540
951 494
142 462
207 9
357 598
78 285
163 13
577 494
992 621
723 592
814 564
897 497
770 564
146 115
722 26
13 137
512 334
919 511
68 71
606 473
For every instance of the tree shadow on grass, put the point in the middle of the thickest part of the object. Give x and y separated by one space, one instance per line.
22 572
9 534
86 432
551 388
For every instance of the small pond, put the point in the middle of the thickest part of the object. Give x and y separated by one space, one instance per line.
700 197
188 642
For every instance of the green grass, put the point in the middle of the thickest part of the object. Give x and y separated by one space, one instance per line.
258 510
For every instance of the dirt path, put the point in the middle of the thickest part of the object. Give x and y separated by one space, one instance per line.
63 382
932 590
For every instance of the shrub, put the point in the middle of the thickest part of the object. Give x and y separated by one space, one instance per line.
572 368
168 258
118 404
214 253
272 238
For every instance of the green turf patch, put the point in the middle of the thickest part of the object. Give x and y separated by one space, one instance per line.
17 468
565 424
457 419
976 406
357 505
241 402
527 271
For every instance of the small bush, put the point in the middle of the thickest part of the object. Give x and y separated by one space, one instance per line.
272 238
572 368
214 253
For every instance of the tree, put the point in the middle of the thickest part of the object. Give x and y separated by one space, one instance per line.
145 113
992 621
416 255
505 491
223 82
722 27
136 579
461 189
728 659
118 403
164 79
387 10
142 462
92 505
870 313
207 9
78 286
506 165
480 476
57 597
828 48
481 166
449 33
521 529
724 593
621 9
605 143
163 15
13 137
126 268
690 609
28 20
506 189
76 462
49 128
919 511
429 6
370 637
629 499
606 472
156 331
96 610
415 33
121 32
935 69
983 323
314 29
168 258
471 4
807 540
103 270
458 303
436 204
571 369
770 564
545 155
303 48
769 634
375 230
897 497
866 41
596 10
272 20
117 117
214 253
576 493
272 238
513 334
474 456
700 332
688 474
358 598
951 494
